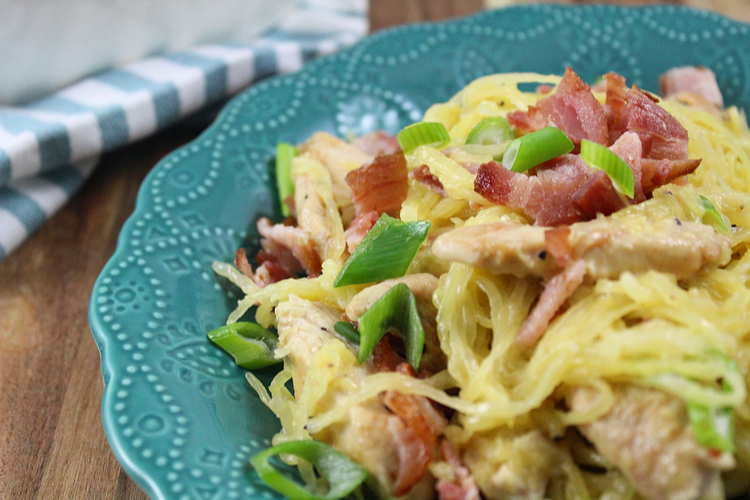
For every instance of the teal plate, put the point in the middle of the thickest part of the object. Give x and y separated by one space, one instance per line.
178 414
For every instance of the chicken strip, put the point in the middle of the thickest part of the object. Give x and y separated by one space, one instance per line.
647 435
607 247
565 256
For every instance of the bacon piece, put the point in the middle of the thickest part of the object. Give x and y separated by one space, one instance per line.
359 228
423 175
657 173
662 135
380 185
268 272
377 143
558 247
416 440
384 358
597 196
417 447
697 80
616 102
572 108
546 197
279 241
544 88
556 292
463 487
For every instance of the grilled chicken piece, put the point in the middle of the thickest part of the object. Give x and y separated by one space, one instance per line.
339 158
513 464
647 436
317 212
422 286
370 434
607 247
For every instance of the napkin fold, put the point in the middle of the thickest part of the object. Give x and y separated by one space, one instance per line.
49 147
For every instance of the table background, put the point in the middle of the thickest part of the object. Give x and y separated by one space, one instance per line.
52 444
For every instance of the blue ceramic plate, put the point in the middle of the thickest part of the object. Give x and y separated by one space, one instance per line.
179 415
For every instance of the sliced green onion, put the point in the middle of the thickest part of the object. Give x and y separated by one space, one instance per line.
423 134
386 252
249 344
496 151
711 417
714 428
285 153
342 474
602 158
492 130
713 215
347 331
535 148
396 309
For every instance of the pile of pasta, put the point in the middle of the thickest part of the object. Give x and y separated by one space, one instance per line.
646 330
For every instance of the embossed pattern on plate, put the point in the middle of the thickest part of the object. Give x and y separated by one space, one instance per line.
177 412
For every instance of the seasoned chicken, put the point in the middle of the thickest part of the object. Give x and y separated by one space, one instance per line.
339 158
370 434
606 246
422 286
647 435
507 464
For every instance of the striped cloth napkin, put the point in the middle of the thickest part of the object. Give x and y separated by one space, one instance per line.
49 147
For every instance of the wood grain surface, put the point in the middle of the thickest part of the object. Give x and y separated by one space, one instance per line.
52 445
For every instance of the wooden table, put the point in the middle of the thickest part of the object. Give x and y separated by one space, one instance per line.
52 445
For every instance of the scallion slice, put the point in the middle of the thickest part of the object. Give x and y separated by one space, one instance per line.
249 344
713 215
342 474
602 158
494 150
423 134
386 252
714 428
396 309
347 331
492 130
535 148
285 153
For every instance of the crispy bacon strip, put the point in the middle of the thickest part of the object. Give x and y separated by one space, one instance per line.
268 272
381 185
555 293
662 135
616 102
423 175
359 228
572 108
546 197
418 447
416 441
279 241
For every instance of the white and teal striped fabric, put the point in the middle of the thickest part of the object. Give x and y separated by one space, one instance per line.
49 147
